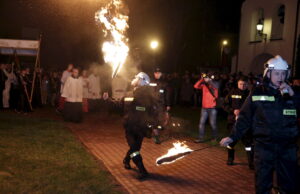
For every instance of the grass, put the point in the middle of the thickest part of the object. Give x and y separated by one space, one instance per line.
40 156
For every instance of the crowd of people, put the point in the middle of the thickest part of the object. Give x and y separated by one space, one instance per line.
250 102
24 89
18 92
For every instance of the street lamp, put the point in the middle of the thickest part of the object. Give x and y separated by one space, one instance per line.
260 28
154 44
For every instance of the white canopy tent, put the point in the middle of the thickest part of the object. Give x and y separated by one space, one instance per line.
23 48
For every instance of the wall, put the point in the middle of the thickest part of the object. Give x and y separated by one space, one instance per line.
249 50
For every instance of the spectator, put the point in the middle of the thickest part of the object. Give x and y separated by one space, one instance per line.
176 83
24 105
67 73
186 92
45 89
3 79
209 96
10 78
54 87
15 92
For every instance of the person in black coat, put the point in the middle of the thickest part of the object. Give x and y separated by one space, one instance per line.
232 105
163 95
141 116
270 114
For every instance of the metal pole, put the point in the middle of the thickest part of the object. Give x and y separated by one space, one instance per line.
35 68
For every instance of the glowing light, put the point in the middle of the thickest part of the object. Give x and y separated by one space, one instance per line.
259 27
154 44
179 148
114 25
225 42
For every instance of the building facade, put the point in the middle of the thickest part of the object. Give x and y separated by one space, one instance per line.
268 28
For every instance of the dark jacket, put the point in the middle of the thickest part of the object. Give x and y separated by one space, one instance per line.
271 117
234 100
142 110
3 78
161 92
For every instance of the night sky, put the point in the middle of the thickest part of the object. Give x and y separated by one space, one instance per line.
190 33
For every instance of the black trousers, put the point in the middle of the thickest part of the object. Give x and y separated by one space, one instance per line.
281 159
15 97
94 105
23 104
134 139
72 111
247 140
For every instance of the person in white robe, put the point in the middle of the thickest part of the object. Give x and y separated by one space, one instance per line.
85 85
94 91
67 73
73 94
11 77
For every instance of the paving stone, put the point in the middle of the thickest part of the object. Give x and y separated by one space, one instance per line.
204 171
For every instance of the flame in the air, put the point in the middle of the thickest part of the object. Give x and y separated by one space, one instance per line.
115 49
179 147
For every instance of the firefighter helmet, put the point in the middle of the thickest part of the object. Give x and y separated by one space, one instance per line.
276 63
141 79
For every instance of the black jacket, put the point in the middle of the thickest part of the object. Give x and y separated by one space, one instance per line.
272 118
142 110
161 93
234 100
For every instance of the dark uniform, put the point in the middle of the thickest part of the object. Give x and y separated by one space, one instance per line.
234 101
163 98
141 115
272 120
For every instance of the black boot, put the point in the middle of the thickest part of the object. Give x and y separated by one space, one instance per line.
142 170
230 157
126 163
250 156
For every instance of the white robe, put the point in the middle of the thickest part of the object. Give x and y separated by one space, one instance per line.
95 88
63 79
73 90
119 88
11 77
85 85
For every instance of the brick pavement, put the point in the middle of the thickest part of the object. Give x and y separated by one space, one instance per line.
200 172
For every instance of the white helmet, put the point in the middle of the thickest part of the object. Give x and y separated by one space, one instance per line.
141 79
276 63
